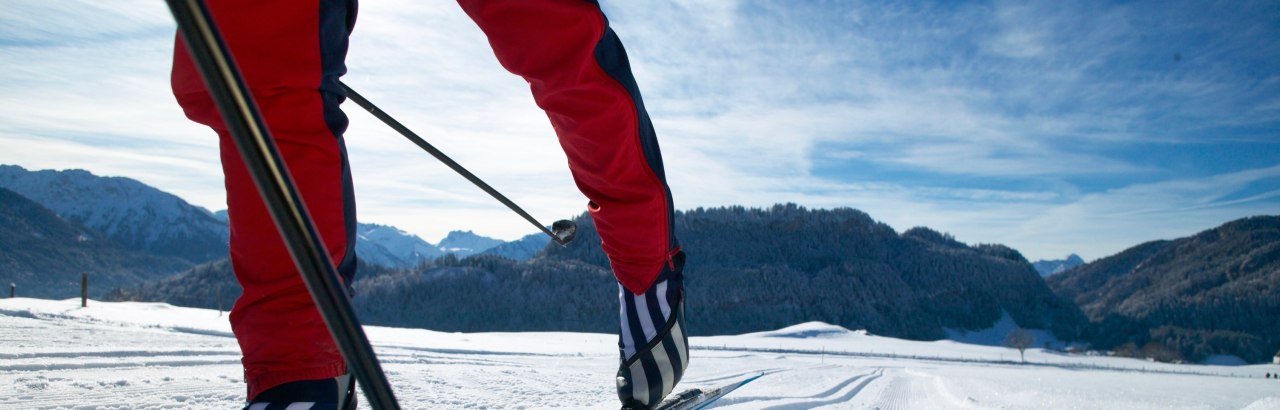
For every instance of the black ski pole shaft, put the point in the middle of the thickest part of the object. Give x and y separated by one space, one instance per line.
274 183
562 232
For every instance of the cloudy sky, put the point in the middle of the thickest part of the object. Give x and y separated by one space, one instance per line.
1052 127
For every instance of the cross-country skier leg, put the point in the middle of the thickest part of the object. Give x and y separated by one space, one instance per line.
579 73
291 54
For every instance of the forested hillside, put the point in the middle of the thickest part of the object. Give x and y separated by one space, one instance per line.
748 270
209 285
753 269
44 255
1217 292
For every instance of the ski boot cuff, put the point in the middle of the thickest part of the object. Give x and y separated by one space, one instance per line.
337 393
652 372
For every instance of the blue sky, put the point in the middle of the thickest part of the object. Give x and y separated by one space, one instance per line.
1052 127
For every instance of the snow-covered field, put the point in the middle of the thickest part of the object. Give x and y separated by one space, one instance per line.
54 354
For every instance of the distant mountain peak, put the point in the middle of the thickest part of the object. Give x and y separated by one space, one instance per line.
467 243
391 247
1056 266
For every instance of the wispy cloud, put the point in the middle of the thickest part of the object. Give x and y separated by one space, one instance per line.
1052 127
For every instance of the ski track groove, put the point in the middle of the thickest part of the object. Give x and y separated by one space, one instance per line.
911 390
859 382
736 375
470 352
897 396
444 361
116 354
870 377
449 356
111 396
32 367
826 393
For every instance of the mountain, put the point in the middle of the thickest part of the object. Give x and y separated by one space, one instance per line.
383 245
466 243
44 254
129 212
786 265
387 246
748 270
1050 267
1217 292
521 249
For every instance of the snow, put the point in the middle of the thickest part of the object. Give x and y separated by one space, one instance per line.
808 330
55 354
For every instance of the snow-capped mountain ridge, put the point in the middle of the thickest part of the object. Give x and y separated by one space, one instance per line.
1056 266
44 255
128 211
467 243
391 247
147 219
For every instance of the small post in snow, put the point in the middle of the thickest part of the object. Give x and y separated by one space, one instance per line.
218 291
84 289
13 290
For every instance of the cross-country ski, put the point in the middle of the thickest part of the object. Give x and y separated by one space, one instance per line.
694 399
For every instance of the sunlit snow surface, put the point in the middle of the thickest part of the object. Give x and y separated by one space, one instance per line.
54 354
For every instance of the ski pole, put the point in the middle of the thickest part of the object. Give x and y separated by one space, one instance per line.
261 157
561 231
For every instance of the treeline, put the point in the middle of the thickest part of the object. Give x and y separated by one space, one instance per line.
759 269
1217 292
748 270
491 293
209 285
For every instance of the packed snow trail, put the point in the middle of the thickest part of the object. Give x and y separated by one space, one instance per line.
51 363
54 354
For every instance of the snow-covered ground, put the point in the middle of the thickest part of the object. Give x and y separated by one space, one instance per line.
54 354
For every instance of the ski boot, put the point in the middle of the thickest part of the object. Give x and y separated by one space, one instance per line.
326 394
653 342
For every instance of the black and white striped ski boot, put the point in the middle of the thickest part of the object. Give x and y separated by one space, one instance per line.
326 394
653 342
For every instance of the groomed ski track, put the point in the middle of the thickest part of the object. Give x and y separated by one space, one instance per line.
53 354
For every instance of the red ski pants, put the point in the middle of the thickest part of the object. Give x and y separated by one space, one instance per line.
291 53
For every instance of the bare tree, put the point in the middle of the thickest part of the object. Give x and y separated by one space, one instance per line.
1161 353
1020 339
